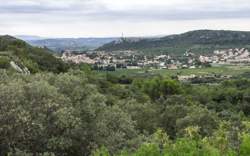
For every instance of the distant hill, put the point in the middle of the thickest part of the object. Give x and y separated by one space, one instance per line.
17 54
200 41
29 37
76 44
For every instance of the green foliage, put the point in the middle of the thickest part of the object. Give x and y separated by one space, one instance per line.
4 62
62 114
17 152
187 146
159 88
79 113
245 145
101 152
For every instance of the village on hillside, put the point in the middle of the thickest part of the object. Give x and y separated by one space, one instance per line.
101 60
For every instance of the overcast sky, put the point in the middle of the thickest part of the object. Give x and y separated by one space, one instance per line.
100 18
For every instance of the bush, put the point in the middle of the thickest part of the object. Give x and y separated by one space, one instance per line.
4 62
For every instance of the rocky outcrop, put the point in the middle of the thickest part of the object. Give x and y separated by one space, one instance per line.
23 70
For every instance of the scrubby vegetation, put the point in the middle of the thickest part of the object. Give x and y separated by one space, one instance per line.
79 113
35 59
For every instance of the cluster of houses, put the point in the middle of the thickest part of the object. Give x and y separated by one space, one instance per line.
101 60
130 60
228 56
76 58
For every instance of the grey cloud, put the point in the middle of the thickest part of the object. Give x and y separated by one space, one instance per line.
156 14
97 10
26 9
43 6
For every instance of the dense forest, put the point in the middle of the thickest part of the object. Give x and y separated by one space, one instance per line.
200 41
69 110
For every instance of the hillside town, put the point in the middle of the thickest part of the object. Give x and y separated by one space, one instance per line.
228 56
101 60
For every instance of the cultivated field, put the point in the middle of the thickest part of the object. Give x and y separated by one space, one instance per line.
220 70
